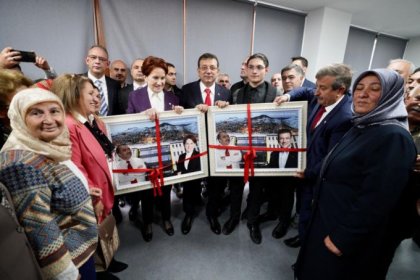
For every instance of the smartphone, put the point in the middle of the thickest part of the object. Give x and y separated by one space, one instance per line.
27 56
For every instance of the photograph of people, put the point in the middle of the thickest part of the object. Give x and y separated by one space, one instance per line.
226 158
49 192
191 189
353 208
284 159
127 161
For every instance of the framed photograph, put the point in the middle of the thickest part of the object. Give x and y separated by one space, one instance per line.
278 136
134 136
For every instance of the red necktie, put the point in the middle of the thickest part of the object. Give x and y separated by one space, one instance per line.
208 99
228 154
129 166
318 116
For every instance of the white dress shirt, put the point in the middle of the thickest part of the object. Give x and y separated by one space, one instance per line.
156 100
204 94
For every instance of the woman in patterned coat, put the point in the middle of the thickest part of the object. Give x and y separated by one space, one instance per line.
49 192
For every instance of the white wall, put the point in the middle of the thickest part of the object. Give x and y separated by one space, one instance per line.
412 52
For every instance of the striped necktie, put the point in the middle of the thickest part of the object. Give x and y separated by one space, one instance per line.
103 111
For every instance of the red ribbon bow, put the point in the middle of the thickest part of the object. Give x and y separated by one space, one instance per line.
156 178
249 163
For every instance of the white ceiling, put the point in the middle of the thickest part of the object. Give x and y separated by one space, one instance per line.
393 17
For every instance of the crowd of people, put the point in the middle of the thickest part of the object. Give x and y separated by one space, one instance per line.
356 200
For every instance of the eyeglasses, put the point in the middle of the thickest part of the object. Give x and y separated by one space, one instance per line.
205 68
224 81
258 67
101 59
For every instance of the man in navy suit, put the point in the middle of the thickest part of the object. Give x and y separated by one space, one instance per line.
97 62
201 94
328 120
303 63
281 193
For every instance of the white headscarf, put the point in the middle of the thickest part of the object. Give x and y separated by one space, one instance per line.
58 149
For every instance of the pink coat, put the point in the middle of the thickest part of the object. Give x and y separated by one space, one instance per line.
89 157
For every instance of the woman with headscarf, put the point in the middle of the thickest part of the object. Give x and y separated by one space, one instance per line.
49 193
91 149
360 185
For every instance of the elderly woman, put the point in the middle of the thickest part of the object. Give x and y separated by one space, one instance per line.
49 193
151 100
91 149
360 185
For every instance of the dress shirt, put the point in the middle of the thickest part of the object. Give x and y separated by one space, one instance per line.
233 159
156 100
137 85
252 94
283 158
328 109
204 94
187 156
103 86
127 178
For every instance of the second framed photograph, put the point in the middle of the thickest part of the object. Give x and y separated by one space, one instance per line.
182 138
277 134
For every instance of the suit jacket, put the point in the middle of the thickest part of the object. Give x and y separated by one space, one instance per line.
269 96
362 181
191 95
138 101
309 84
321 140
193 164
123 98
291 162
113 87
88 155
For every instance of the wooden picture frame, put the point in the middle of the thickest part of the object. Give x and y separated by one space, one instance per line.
266 119
139 133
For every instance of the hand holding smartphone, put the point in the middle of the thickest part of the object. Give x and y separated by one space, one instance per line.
26 56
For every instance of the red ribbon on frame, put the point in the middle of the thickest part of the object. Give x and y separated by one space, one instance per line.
250 155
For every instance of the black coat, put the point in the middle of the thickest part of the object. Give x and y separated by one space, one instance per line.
360 184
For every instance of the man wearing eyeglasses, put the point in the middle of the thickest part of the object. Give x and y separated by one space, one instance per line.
97 62
257 90
201 94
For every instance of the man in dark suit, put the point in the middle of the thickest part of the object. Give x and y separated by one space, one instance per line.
97 62
303 63
292 77
139 81
281 193
329 119
257 90
238 85
170 84
118 71
201 94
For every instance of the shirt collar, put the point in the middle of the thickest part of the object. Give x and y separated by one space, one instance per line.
212 87
332 106
93 78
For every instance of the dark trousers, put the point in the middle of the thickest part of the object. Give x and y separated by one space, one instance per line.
191 196
215 189
281 197
255 198
148 200
87 270
305 212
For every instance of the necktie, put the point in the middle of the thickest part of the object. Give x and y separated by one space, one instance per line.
317 117
104 106
208 99
228 154
129 166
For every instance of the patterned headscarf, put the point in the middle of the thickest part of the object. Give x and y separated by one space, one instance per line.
390 108
58 149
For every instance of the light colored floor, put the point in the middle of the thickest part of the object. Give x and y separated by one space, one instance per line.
202 255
